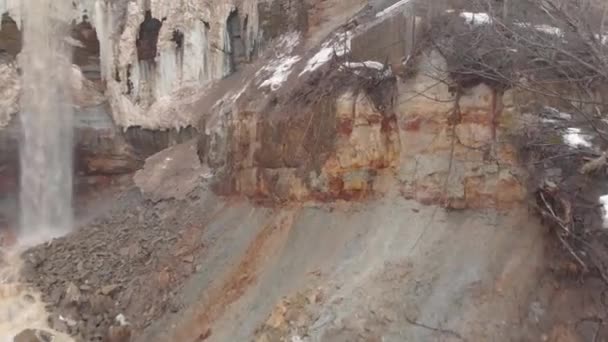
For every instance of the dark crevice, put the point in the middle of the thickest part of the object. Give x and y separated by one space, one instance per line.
87 55
146 142
237 42
147 38
178 39
10 36
129 82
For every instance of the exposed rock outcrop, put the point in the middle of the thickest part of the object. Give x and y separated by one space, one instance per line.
334 149
437 148
456 149
150 61
152 54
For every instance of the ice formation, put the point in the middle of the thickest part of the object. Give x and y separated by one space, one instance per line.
134 85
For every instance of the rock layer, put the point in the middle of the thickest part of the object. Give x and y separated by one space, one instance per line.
363 140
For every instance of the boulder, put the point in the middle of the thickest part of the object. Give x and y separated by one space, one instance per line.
31 335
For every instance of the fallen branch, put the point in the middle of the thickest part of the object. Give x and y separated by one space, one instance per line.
439 330
549 212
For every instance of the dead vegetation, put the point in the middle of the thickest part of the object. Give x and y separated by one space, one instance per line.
556 51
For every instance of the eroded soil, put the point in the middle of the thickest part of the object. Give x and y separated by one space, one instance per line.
388 270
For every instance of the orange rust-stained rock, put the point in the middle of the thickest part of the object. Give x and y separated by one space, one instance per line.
500 191
230 289
561 333
459 164
326 155
328 151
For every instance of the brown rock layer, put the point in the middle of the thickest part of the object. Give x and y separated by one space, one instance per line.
361 140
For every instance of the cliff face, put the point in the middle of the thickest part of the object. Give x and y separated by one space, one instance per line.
139 66
152 53
285 128
364 160
362 142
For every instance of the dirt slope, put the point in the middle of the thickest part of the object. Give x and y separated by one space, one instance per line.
379 270
371 269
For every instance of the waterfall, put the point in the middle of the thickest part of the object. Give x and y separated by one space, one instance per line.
46 121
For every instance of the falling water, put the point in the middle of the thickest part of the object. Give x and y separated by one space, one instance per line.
46 120
46 158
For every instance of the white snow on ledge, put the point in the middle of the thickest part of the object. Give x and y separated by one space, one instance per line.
391 8
574 138
357 66
367 64
544 28
340 45
280 72
476 19
552 30
278 69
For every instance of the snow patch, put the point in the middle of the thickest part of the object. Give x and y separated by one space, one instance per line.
547 29
476 19
552 30
604 203
340 45
288 42
122 320
574 138
281 69
236 96
391 8
367 64
603 39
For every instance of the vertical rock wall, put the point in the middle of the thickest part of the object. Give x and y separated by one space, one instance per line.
151 51
412 135
456 150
